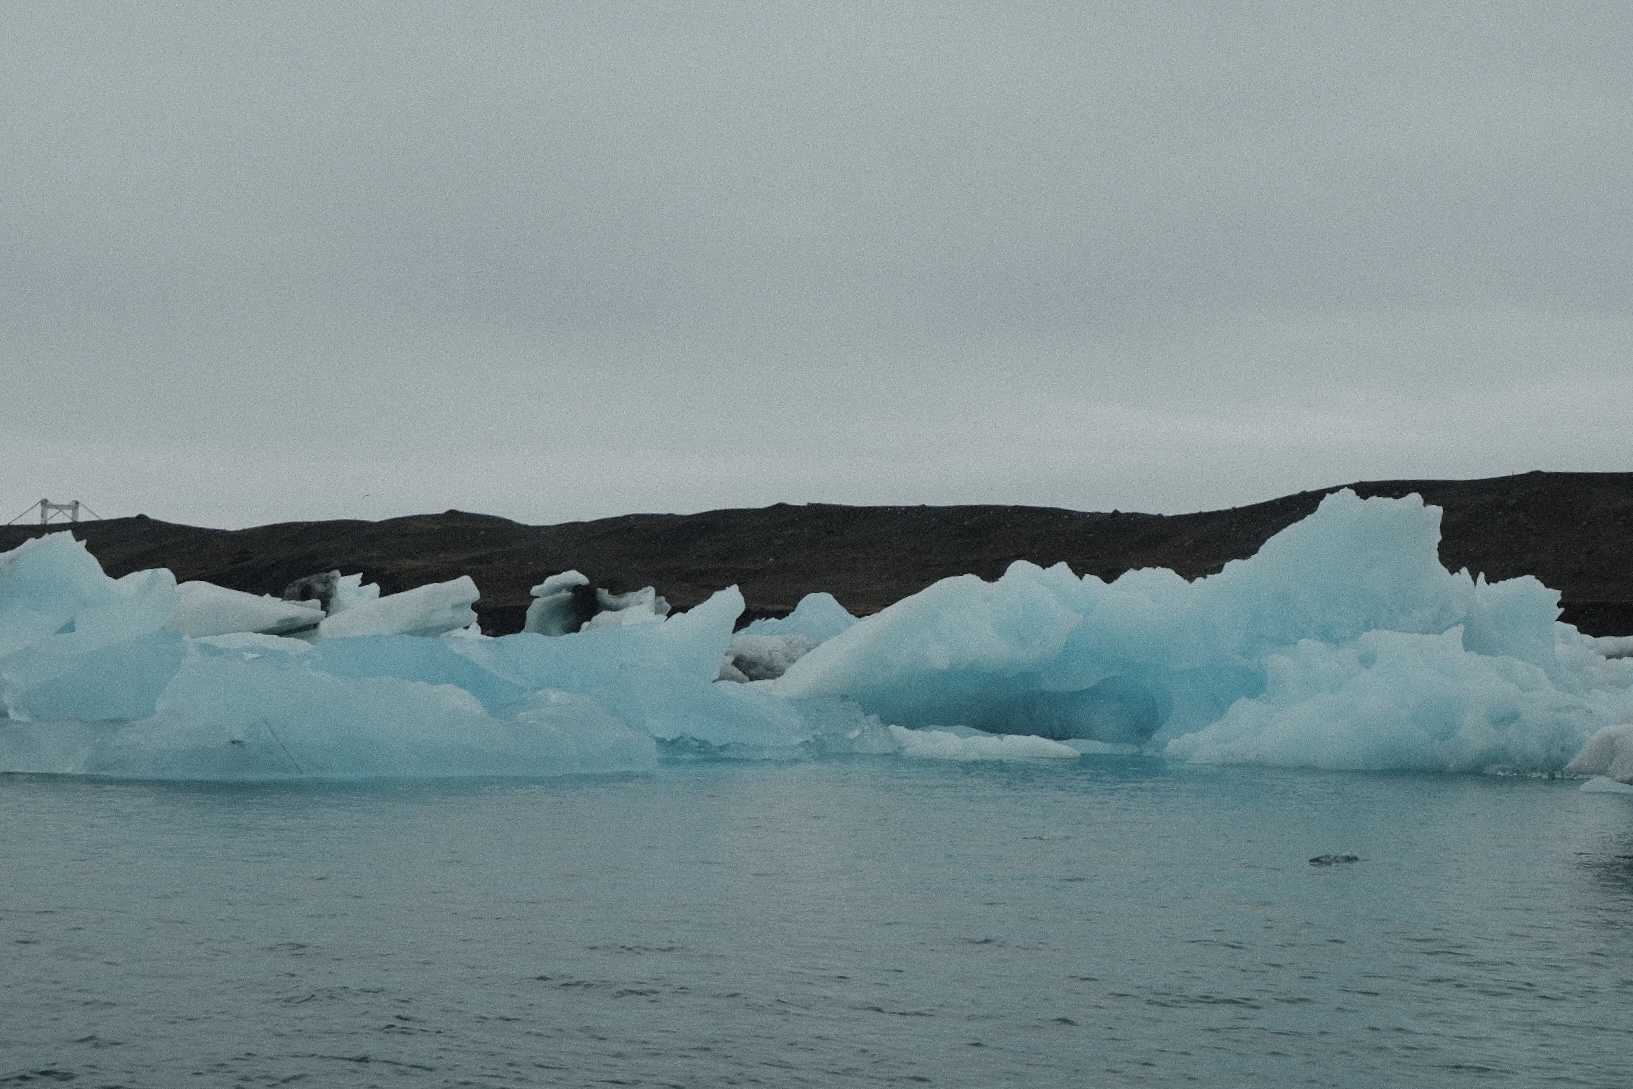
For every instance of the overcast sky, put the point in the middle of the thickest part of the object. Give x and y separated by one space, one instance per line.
266 262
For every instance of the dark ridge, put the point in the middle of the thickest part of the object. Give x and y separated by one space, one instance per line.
1574 531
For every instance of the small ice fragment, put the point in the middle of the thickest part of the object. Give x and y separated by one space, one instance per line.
966 744
1613 646
762 657
1609 753
425 610
642 606
1601 785
818 617
205 609
561 604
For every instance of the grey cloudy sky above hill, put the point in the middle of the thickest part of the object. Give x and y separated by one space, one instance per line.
271 262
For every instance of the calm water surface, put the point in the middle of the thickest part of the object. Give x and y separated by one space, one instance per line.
854 922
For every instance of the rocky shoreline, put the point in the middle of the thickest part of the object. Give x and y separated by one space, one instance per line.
1574 531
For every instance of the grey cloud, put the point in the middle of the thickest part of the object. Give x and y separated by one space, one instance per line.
795 219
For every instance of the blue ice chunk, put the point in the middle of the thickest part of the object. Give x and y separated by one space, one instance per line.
686 647
1399 700
818 617
1342 643
206 610
75 644
415 658
59 679
51 585
656 676
266 717
965 744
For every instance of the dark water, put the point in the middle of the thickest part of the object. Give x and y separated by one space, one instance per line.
1118 922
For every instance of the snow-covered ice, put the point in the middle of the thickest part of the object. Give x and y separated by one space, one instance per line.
1614 646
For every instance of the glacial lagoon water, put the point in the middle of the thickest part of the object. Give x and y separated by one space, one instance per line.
856 921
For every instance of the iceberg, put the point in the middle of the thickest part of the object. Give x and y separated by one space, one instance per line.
1342 644
818 617
566 603
966 745
205 609
434 609
765 649
52 586
240 717
642 606
75 644
561 604
1608 753
1614 646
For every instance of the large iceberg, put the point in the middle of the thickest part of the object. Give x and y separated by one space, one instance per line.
1342 644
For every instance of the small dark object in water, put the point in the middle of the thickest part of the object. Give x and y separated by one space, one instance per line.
1333 860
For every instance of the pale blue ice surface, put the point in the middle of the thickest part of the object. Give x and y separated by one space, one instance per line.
1343 644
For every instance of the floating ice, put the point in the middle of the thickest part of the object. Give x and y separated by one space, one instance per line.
642 606
559 604
765 649
1342 644
1599 784
77 644
425 610
566 603
1609 753
351 591
818 617
239 717
932 744
52 586
205 609
1614 646
331 591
